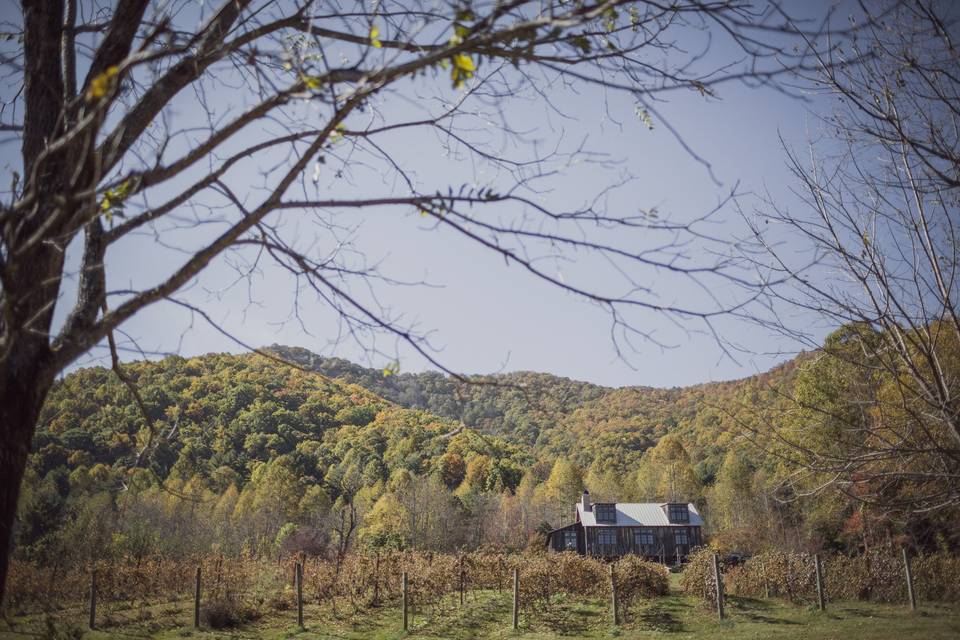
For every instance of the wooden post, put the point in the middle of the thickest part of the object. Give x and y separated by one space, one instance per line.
502 565
461 580
299 577
821 602
718 584
766 583
93 598
376 580
403 586
909 572
516 598
196 601
613 597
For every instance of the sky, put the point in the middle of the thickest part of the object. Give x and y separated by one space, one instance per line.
485 316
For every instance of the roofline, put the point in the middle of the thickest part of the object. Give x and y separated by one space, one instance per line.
564 527
635 525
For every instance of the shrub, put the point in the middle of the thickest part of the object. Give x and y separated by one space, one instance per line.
637 579
777 574
876 576
697 579
226 613
936 577
564 574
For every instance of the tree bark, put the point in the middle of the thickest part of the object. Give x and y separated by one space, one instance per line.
23 388
43 81
31 280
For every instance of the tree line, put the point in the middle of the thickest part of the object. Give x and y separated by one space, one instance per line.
272 459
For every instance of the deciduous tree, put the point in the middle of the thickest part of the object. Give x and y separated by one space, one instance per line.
143 118
878 414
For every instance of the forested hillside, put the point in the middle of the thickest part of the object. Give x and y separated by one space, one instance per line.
247 453
520 405
604 431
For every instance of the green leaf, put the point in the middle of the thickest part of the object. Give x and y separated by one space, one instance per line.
644 116
611 16
583 43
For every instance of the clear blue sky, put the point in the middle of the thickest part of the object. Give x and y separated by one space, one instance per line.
486 316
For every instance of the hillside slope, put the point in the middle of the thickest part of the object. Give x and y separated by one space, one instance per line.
248 453
559 417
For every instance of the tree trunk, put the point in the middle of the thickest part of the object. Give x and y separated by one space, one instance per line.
23 388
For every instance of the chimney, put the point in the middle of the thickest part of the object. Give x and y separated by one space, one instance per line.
585 503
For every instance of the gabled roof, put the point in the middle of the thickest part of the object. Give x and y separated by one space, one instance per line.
638 514
558 529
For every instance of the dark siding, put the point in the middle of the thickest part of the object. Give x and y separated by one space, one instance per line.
625 542
556 538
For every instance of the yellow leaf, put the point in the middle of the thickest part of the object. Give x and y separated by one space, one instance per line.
311 82
374 32
101 84
463 68
463 62
391 369
113 198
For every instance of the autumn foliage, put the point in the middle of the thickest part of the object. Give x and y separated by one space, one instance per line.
875 576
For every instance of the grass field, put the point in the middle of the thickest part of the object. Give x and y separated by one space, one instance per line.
488 615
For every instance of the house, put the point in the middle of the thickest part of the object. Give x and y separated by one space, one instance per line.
657 531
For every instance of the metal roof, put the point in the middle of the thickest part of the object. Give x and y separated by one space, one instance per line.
638 514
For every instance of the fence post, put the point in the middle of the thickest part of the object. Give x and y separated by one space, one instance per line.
461 579
718 584
403 585
516 598
196 601
766 583
502 565
909 571
376 580
821 602
613 597
299 577
93 598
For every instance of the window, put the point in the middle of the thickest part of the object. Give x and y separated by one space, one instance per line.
680 537
570 540
605 512
607 542
678 513
644 541
644 537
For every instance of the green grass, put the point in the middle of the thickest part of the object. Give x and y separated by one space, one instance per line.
487 615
